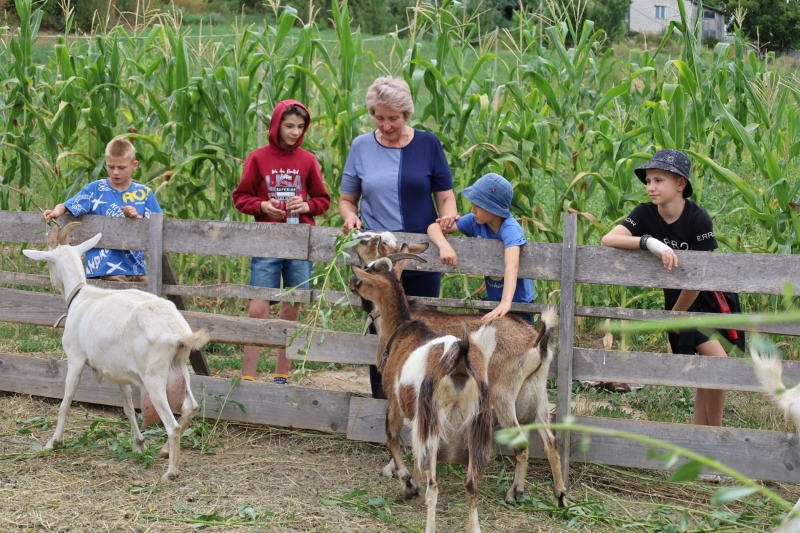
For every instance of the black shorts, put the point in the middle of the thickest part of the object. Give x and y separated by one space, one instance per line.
687 341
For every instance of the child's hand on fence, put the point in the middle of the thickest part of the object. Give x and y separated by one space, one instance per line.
447 222
669 259
448 256
270 208
502 309
130 212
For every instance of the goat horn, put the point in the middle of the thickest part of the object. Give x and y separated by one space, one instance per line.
405 255
53 242
63 235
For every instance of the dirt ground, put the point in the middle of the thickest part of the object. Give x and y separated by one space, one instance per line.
286 480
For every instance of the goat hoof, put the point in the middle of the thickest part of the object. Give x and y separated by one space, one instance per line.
513 493
163 454
562 499
410 490
387 471
170 476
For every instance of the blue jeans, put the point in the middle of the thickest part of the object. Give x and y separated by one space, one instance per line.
267 272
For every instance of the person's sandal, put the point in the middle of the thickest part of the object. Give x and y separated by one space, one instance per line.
280 379
248 378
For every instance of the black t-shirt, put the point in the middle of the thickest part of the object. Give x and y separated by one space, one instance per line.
692 231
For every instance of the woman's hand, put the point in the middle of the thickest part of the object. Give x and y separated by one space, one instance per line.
502 309
270 208
350 223
446 222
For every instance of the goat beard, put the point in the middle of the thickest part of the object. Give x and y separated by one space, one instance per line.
176 392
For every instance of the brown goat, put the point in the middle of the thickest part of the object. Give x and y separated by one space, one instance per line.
439 384
517 369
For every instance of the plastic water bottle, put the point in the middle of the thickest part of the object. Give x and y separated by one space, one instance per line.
292 217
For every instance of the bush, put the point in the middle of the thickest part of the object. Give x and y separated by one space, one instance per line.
710 41
83 13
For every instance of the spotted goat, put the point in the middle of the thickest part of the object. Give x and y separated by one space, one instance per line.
438 384
517 368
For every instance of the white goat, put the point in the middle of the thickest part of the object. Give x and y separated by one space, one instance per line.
129 337
769 370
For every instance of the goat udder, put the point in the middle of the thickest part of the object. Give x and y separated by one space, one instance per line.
176 392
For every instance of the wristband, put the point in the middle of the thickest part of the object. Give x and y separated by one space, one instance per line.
643 241
657 247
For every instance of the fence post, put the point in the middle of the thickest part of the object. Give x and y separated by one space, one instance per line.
566 335
154 251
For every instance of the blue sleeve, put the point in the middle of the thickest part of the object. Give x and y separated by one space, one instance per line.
81 203
151 204
351 182
441 177
466 225
512 235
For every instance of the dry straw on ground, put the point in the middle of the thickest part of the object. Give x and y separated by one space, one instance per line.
292 481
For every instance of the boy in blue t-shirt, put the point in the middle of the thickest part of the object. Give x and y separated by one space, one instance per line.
115 196
491 219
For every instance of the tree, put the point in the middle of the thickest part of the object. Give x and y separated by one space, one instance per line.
608 15
772 23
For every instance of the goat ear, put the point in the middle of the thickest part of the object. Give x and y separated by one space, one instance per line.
418 248
38 255
85 246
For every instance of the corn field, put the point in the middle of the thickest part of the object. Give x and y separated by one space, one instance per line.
557 114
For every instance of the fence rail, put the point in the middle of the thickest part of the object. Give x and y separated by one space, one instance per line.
362 418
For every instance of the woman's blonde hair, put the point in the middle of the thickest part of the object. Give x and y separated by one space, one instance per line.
390 92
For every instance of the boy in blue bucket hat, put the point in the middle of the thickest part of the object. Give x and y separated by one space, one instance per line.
490 218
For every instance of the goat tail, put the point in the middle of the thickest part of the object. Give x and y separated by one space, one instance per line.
461 361
769 369
546 341
195 341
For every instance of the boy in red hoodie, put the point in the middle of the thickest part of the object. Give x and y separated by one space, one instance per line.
281 182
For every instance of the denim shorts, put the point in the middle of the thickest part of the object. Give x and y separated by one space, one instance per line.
267 272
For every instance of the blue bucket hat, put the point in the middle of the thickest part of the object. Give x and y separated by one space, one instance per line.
493 193
672 161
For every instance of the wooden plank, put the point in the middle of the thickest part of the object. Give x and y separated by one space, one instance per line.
264 403
657 315
240 330
38 280
154 247
766 455
24 227
118 232
288 241
366 421
42 309
759 454
477 256
196 357
336 347
230 290
708 271
726 373
566 335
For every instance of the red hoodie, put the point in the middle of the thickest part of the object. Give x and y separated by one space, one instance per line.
272 166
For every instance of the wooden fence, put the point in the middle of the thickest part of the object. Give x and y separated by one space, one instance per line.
759 454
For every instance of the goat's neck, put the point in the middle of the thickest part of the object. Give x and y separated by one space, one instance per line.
72 276
391 317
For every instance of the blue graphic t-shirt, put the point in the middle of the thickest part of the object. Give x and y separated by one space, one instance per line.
99 198
512 235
